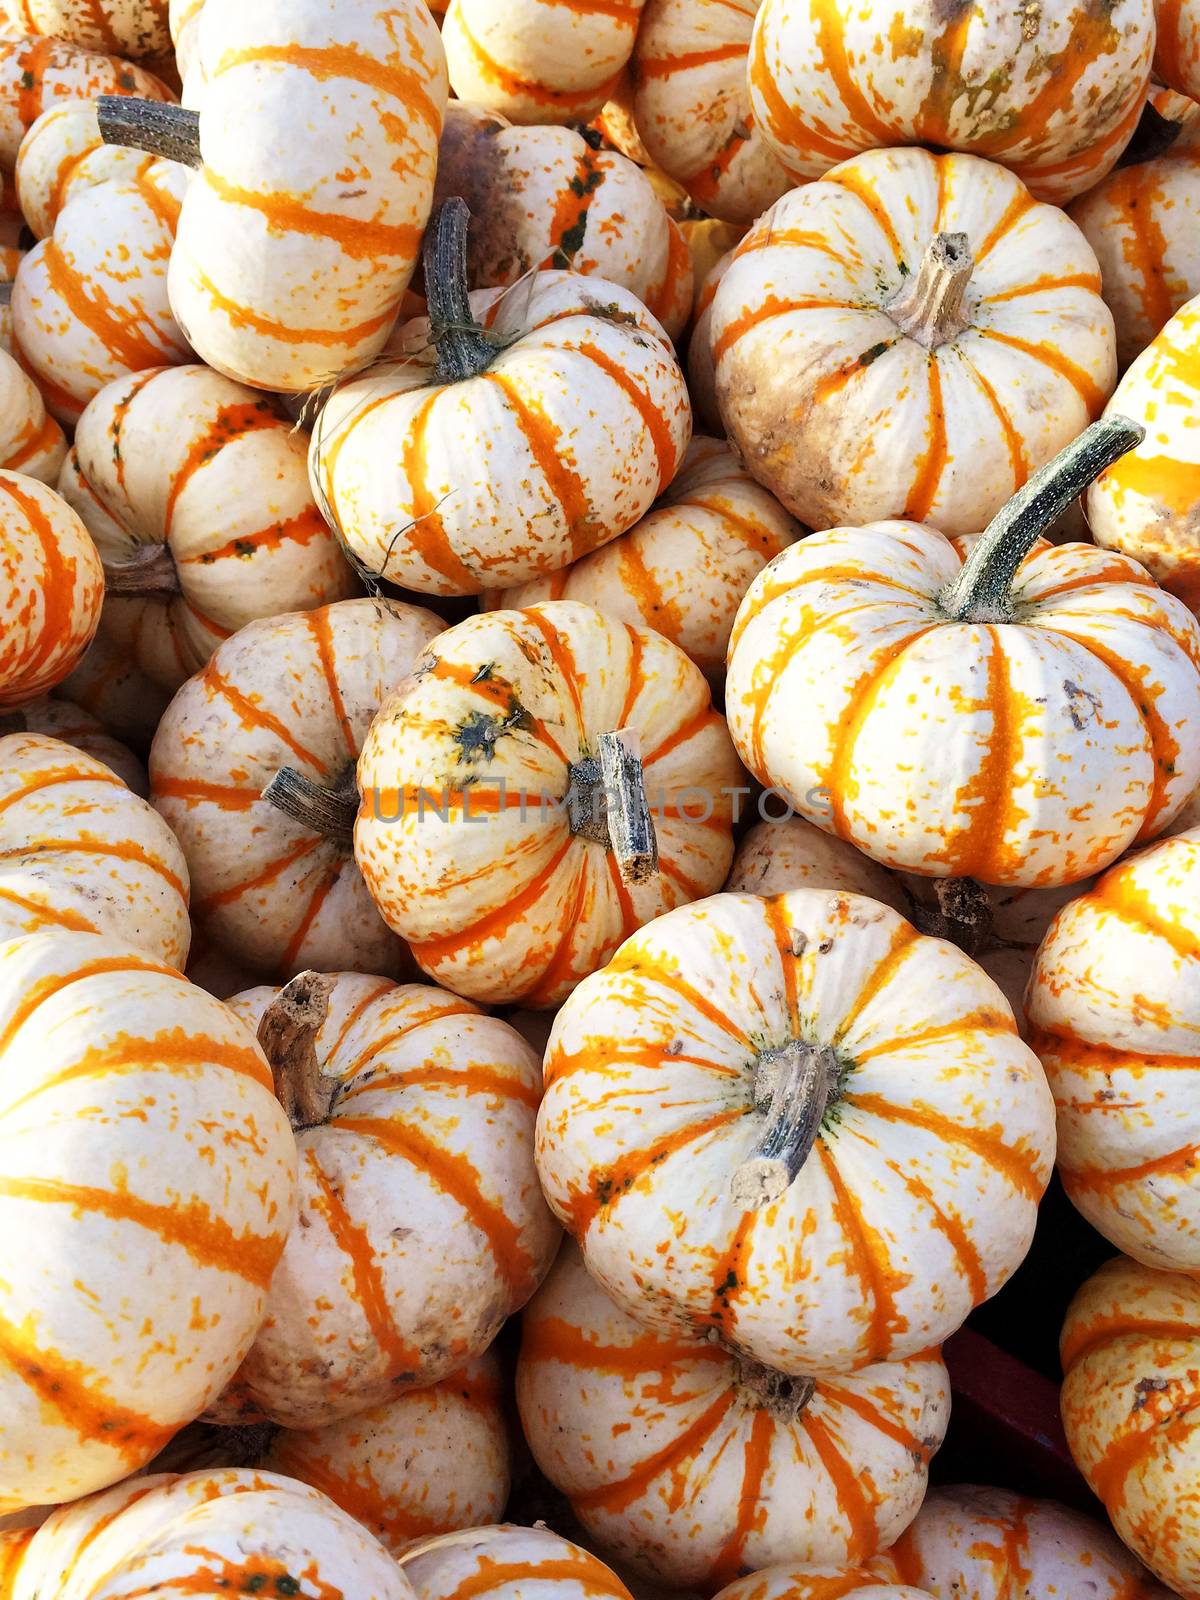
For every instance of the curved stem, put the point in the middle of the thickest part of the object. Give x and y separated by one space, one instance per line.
962 914
328 809
151 571
928 306
463 349
982 590
794 1086
606 802
287 1034
169 131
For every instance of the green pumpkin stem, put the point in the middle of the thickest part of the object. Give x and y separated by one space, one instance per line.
463 348
169 131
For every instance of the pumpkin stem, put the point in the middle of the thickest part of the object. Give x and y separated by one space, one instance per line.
172 132
209 1447
784 1397
287 1034
928 307
963 914
328 809
793 1087
982 590
463 349
606 802
151 570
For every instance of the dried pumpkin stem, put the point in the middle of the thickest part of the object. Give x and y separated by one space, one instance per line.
606 802
982 592
209 1446
963 914
172 132
150 571
794 1088
287 1034
328 809
784 1397
928 306
463 349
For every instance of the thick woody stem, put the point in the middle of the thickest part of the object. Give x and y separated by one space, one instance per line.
172 132
982 592
328 809
962 914
463 349
794 1087
287 1034
209 1447
150 571
606 802
928 307
785 1398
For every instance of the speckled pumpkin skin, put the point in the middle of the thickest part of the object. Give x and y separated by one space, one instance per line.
31 441
36 72
140 1255
649 1110
677 1466
1129 1354
485 1564
62 154
1177 47
1052 91
848 418
924 740
788 1582
126 27
66 719
111 688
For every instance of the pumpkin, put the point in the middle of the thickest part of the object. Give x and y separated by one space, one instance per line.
273 879
150 1171
195 490
990 1544
547 198
839 1142
917 703
1129 1352
53 589
1177 46
775 856
788 1582
510 830
31 442
62 719
693 1465
90 301
420 1223
702 367
1054 93
1145 505
484 1564
1112 1005
64 153
495 452
36 72
692 105
204 1534
910 337
684 568
78 850
535 60
108 687
126 27
316 147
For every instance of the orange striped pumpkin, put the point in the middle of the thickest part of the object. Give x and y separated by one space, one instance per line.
564 420
693 1465
684 568
90 301
1021 719
63 719
989 1544
692 105
1130 1348
1054 92
62 154
277 893
204 1534
195 491
1177 47
327 211
1145 505
484 1566
912 336
126 27
484 836
31 441
420 1224
36 72
53 589
788 1582
106 685
840 1109
544 198
1115 1016
536 60
79 851
154 1238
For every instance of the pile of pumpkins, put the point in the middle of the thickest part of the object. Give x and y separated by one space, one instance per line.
599 719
